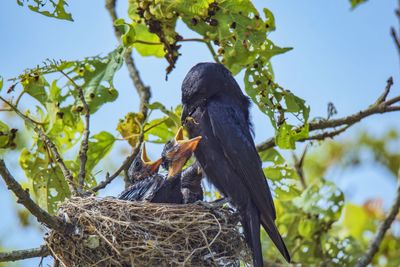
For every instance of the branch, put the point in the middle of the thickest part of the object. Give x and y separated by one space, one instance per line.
127 162
380 106
86 132
23 254
66 172
375 243
298 166
24 198
142 90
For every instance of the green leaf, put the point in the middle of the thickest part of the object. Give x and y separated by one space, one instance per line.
286 190
99 146
128 32
306 228
143 36
65 127
163 128
174 115
356 3
269 19
34 85
272 155
322 199
7 136
1 83
278 172
287 135
54 9
98 80
48 183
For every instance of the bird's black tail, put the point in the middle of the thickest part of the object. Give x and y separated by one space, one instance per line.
272 231
251 229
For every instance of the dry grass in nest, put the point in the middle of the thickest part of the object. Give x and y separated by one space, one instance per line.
113 232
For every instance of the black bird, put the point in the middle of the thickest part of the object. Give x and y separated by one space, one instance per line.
174 156
144 177
151 186
215 108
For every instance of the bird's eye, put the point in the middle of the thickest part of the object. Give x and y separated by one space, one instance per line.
137 164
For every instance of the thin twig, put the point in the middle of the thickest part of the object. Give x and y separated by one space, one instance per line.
378 107
298 166
395 38
385 225
127 162
325 135
24 198
86 132
215 56
23 254
66 172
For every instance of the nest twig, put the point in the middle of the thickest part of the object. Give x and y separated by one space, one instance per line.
113 232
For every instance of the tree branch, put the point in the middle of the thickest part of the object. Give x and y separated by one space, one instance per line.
86 132
298 166
142 90
24 198
47 141
380 106
23 254
385 225
127 162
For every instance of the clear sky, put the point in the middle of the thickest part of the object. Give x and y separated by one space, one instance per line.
339 56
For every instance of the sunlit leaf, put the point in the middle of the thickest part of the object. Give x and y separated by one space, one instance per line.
55 8
130 127
99 146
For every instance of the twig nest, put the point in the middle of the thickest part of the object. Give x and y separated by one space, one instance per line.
112 232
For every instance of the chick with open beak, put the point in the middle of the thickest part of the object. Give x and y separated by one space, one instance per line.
142 167
174 156
143 174
177 151
151 186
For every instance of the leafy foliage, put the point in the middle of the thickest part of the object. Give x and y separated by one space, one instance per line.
58 112
51 8
318 225
162 128
241 35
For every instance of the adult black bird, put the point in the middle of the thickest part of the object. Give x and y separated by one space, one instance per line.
215 108
151 186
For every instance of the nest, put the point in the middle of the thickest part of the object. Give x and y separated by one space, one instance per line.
111 232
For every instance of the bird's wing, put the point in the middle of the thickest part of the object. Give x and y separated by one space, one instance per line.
140 190
231 129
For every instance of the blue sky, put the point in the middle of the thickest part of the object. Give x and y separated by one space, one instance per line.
339 56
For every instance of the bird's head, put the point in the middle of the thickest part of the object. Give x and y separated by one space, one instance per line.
177 151
203 81
142 166
206 80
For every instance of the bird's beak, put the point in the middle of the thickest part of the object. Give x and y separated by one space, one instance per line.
185 113
182 153
152 165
